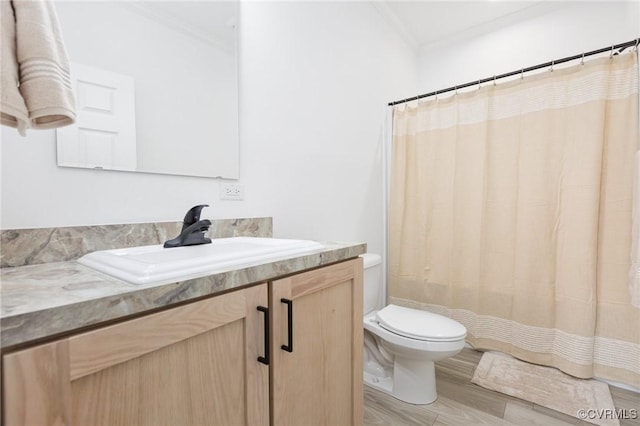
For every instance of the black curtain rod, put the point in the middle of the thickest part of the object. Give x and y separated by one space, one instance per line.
620 46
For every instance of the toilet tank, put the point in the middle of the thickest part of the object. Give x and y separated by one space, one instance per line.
372 282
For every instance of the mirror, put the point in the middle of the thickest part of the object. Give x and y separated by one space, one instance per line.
182 58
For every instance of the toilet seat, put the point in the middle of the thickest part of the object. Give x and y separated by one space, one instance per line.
420 325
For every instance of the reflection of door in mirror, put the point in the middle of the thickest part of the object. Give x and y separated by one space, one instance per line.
182 57
104 134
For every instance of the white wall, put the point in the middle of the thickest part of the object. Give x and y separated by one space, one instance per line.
556 30
316 77
314 81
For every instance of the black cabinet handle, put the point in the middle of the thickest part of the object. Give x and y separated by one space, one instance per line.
265 359
289 347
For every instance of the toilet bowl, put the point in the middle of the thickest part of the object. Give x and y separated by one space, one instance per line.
401 344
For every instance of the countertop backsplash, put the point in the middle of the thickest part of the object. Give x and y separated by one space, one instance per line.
22 247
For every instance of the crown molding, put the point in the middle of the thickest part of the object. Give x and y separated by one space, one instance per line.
530 12
397 24
147 10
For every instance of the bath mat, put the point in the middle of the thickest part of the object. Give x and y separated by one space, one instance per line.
588 400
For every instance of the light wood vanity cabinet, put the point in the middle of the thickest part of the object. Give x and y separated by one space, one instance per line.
194 364
320 381
197 364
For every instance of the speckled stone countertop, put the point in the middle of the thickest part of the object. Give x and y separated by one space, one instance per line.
45 300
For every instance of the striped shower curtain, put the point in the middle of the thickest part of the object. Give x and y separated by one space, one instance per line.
510 211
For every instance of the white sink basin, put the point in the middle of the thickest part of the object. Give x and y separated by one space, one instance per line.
156 264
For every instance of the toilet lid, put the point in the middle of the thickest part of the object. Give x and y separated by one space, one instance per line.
420 325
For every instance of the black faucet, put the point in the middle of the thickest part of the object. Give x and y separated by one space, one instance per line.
193 229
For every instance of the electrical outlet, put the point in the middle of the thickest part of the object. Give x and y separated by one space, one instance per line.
232 191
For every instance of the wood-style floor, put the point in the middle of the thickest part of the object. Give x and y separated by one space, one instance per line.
462 403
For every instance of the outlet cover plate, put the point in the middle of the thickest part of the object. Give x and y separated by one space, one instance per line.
232 191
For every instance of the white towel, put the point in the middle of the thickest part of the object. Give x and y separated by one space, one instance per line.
13 110
35 48
634 272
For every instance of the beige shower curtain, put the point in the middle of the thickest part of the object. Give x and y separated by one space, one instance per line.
510 211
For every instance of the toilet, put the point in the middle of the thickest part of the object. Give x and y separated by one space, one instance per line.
401 344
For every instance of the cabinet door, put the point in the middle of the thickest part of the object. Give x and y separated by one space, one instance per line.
191 365
319 382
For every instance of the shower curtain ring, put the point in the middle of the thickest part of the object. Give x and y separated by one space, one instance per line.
637 42
479 85
552 63
522 73
456 90
494 79
611 54
582 60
